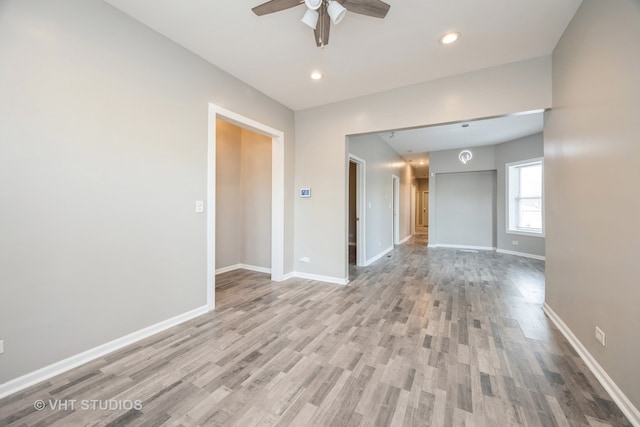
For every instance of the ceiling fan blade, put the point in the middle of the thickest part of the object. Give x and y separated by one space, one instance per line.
275 6
321 32
375 8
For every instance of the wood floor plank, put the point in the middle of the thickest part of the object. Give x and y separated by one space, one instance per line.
424 337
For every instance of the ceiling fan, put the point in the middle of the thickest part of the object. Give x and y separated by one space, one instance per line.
320 13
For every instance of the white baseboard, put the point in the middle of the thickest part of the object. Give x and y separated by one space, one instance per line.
478 248
432 245
288 276
377 257
405 239
42 374
522 254
318 277
616 394
243 267
227 269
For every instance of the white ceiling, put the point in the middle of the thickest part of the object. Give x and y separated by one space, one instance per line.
414 144
276 53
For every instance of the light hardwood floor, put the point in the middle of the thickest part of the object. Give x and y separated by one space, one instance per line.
424 337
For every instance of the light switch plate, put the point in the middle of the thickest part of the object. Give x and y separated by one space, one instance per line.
600 336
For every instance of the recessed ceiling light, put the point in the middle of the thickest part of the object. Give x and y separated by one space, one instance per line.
316 75
421 162
449 38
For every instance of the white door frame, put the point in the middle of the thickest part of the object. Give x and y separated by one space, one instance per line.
277 194
361 255
395 211
412 209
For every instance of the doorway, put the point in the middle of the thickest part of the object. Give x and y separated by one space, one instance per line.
425 209
243 199
277 193
356 252
421 197
395 226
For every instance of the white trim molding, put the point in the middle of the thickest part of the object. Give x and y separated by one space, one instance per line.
601 375
380 255
69 363
243 267
405 240
522 254
318 277
478 248
361 210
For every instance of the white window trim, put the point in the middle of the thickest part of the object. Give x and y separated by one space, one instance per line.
508 198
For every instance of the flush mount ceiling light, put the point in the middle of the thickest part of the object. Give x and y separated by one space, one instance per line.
320 13
316 75
449 37
465 156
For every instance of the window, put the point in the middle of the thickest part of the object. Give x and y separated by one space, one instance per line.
525 202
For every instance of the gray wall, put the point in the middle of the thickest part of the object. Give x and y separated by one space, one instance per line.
494 157
465 209
526 148
592 166
229 211
321 152
103 154
243 197
382 162
256 198
447 162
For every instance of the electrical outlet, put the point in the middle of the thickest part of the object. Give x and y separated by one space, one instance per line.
305 259
514 243
1 346
600 336
199 206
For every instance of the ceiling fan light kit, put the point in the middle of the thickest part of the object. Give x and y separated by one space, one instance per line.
310 18
313 4
336 11
320 13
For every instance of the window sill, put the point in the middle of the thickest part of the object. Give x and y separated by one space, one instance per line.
525 233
